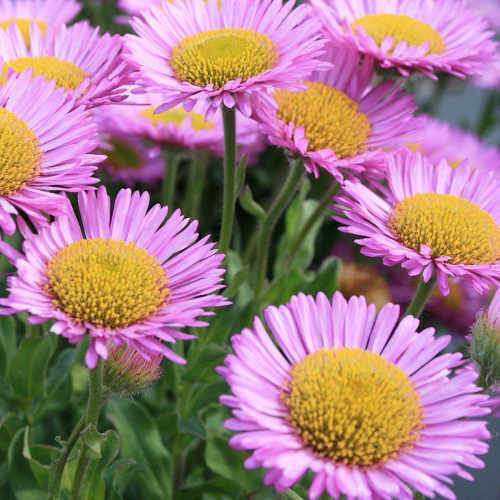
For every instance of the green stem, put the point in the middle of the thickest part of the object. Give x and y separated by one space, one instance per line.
94 406
195 185
169 179
323 205
422 295
229 204
279 205
56 478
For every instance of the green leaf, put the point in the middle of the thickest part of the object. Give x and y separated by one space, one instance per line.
39 458
7 342
29 367
280 291
21 478
250 206
141 442
228 463
296 217
120 474
325 280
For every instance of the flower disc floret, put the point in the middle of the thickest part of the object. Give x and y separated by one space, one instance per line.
105 282
19 153
449 225
216 57
401 28
331 119
352 406
64 73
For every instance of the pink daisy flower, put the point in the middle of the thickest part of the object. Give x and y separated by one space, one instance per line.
435 220
87 65
224 51
439 140
127 275
180 128
364 403
341 123
44 13
45 146
489 9
129 160
424 35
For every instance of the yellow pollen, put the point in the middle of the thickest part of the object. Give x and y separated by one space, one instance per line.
451 226
177 116
352 406
123 156
364 279
105 282
330 118
20 153
24 27
401 28
219 56
65 74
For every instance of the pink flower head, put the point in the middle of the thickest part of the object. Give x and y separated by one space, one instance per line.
127 275
439 140
130 160
44 13
435 220
224 51
342 122
178 127
424 35
88 66
45 146
368 405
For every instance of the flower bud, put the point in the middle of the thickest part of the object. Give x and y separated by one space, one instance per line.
128 372
485 344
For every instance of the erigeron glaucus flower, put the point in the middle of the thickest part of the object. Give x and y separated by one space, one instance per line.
340 122
43 13
87 65
129 275
424 35
438 140
364 403
45 146
180 128
434 220
129 160
195 52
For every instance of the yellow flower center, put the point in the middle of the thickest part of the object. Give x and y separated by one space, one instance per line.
451 226
123 156
330 118
24 27
353 406
65 74
177 116
219 56
20 153
105 282
364 279
401 28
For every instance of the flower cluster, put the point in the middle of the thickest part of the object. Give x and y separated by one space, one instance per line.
345 389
